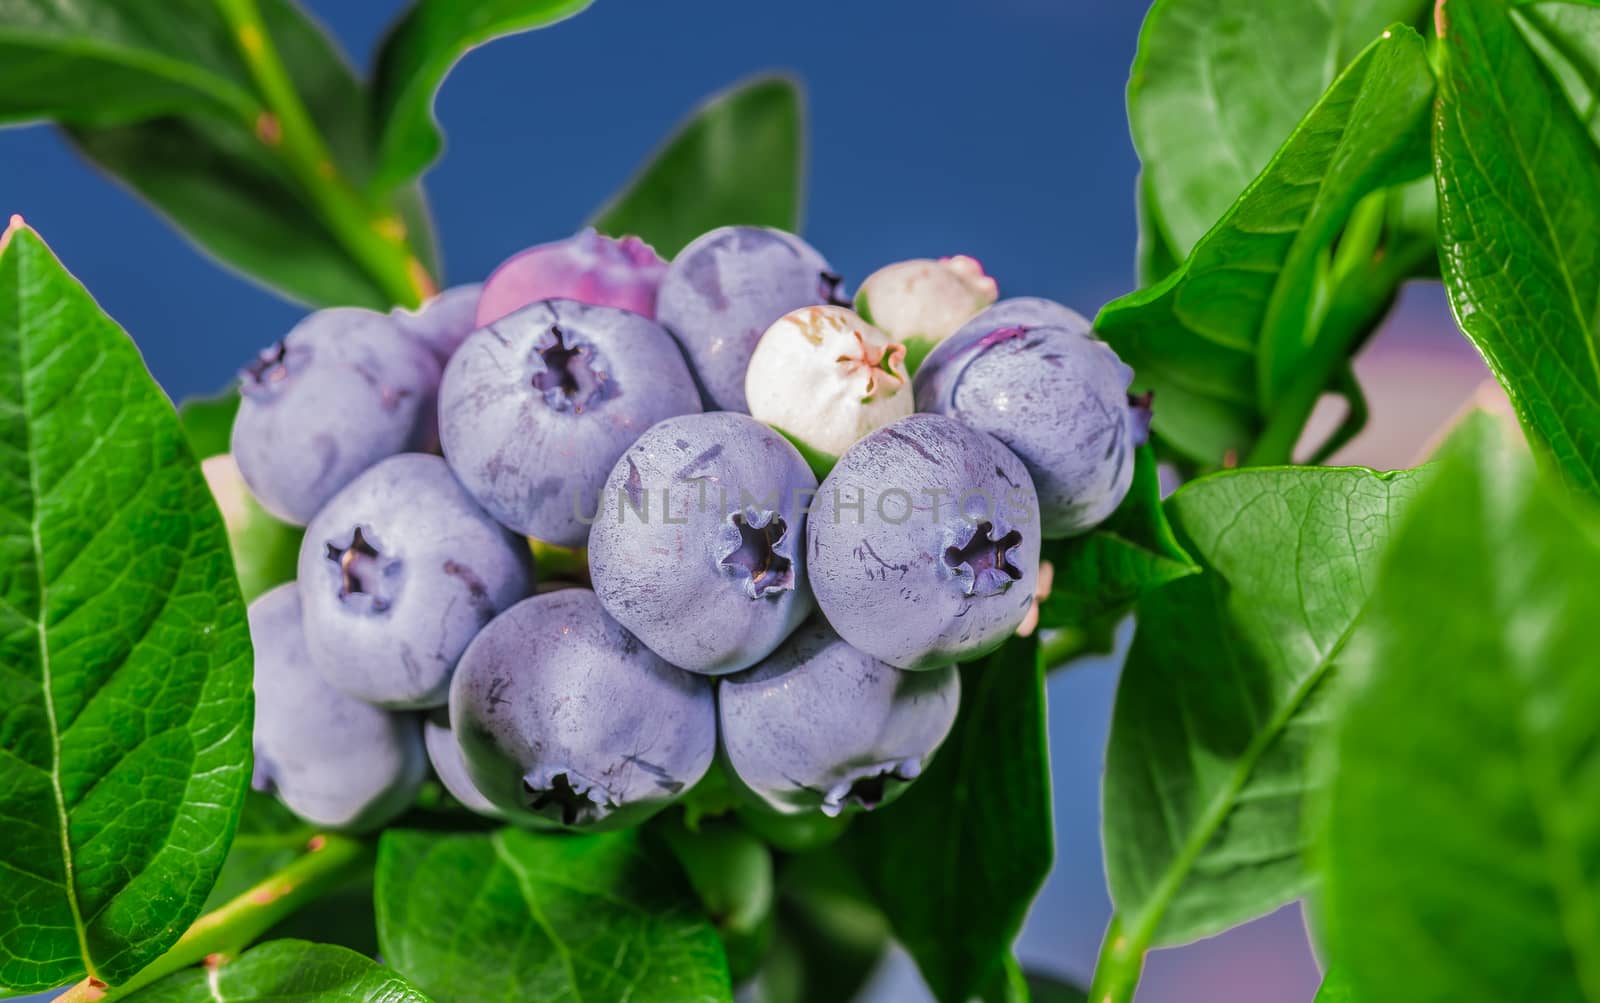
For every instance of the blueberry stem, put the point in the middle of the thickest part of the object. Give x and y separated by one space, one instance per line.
374 235
329 860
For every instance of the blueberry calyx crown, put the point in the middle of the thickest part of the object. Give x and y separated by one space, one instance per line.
829 288
575 798
868 786
571 377
363 570
270 369
750 552
982 559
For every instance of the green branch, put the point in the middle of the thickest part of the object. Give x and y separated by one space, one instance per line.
1117 970
374 236
328 861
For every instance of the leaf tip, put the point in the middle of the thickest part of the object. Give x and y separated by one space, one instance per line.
13 226
1441 19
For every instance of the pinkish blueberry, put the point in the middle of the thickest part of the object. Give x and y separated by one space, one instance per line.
587 267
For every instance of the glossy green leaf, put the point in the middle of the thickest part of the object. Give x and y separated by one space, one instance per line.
1462 826
1335 988
1221 337
739 159
430 37
208 422
1101 574
124 651
1216 86
957 860
286 971
102 62
1156 256
232 194
1225 689
517 916
1519 222
1566 36
730 869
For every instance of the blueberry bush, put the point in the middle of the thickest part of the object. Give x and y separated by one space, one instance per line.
661 618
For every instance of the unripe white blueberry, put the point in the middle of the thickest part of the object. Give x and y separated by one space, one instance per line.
824 377
921 302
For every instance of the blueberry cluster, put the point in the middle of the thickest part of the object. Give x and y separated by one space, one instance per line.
657 432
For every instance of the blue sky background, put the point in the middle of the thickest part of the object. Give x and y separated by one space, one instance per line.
937 127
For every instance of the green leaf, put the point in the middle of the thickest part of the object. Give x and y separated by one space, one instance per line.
1335 988
124 651
234 196
1222 337
1100 575
739 159
1156 256
1519 215
1467 795
957 860
538 916
100 62
1566 37
211 181
208 422
1215 87
1225 687
416 56
286 971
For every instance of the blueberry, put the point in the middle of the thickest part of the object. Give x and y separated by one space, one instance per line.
443 322
397 573
1058 397
587 267
698 544
820 724
922 302
343 390
448 766
923 545
330 758
726 288
824 377
535 408
561 713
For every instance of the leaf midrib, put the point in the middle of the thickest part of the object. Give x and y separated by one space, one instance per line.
70 885
536 912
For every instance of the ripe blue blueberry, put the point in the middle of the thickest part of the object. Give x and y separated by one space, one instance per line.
820 724
535 408
443 322
561 713
1057 397
448 766
723 291
343 390
698 544
923 545
330 758
397 573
